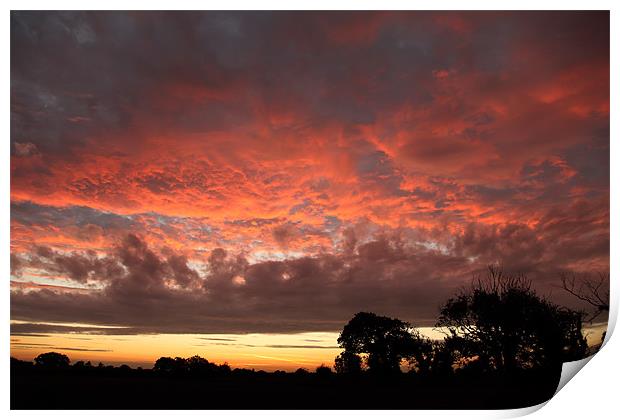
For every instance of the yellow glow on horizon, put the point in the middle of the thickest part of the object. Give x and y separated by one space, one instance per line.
258 351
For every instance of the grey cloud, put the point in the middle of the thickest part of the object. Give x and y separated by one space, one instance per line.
33 214
80 349
16 265
25 149
278 346
79 266
305 294
217 339
285 233
17 334
386 274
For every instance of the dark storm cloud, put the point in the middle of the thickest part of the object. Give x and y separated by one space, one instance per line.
77 266
564 239
35 329
133 262
293 295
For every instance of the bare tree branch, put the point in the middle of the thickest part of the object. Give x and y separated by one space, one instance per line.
595 292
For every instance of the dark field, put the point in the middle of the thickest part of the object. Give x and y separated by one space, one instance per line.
145 389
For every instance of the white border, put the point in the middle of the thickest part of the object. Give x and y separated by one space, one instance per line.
591 395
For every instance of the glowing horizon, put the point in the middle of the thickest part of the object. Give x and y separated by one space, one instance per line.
268 352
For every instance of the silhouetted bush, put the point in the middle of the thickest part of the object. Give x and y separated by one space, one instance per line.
17 364
52 360
301 372
323 371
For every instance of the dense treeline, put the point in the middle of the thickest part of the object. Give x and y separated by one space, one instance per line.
499 325
84 386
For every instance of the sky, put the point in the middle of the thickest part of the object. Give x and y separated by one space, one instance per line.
239 184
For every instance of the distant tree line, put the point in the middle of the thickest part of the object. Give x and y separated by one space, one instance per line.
194 365
166 367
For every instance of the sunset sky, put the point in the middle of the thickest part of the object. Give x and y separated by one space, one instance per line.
237 185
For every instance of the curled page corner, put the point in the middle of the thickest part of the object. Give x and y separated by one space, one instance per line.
569 370
521 412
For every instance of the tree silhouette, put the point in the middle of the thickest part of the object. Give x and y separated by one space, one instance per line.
381 341
348 363
199 365
169 365
17 364
195 366
422 355
442 360
323 371
52 360
80 365
301 372
224 368
501 324
595 292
